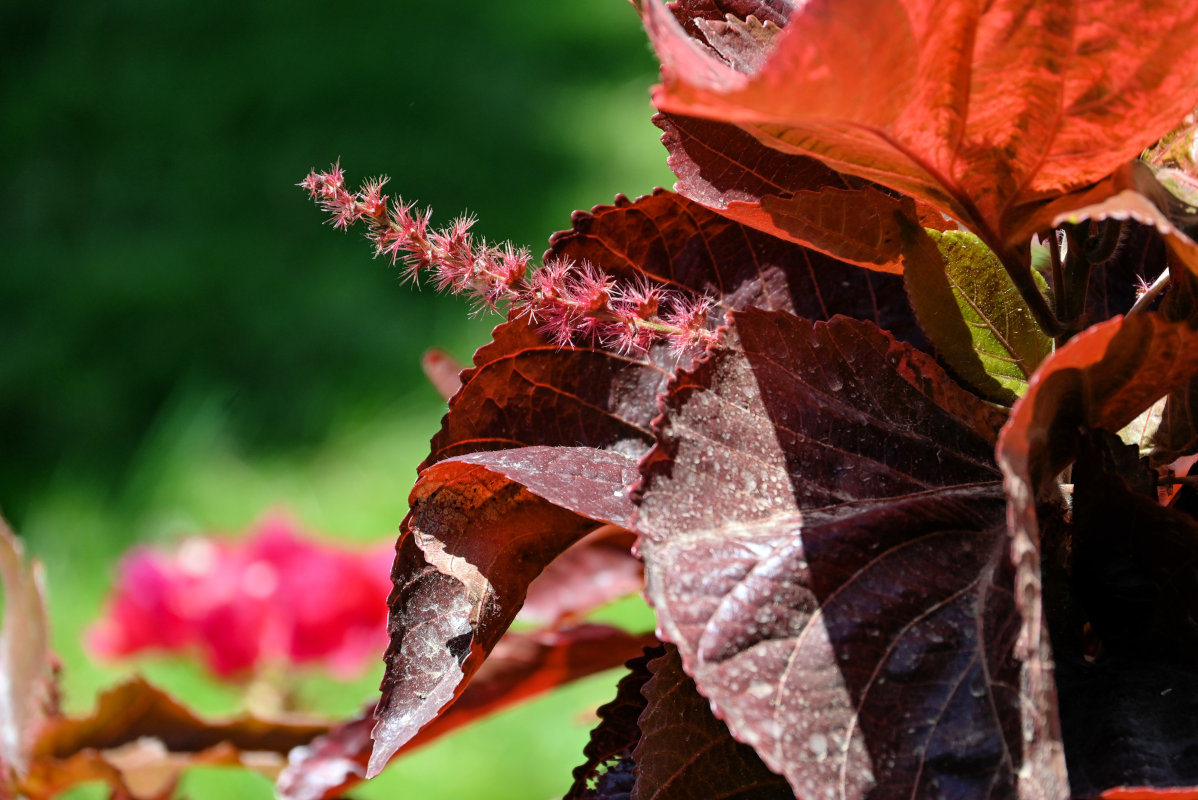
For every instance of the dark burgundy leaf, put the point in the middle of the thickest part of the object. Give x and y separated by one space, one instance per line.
685 752
1130 724
525 390
609 751
481 528
1103 378
522 666
688 12
1135 562
1129 718
789 196
677 241
1133 193
594 571
823 540
1114 283
1175 437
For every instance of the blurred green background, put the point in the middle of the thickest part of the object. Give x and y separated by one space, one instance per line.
185 346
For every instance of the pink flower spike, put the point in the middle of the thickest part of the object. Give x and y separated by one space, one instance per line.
590 289
689 317
374 202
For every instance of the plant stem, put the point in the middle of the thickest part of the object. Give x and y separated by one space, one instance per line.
1021 276
1151 293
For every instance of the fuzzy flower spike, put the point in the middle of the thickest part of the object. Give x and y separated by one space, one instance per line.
571 302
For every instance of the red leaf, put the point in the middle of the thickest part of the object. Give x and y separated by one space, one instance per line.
823 540
604 400
792 197
672 239
685 752
1133 193
1102 378
480 529
522 666
1128 717
521 380
983 111
1149 793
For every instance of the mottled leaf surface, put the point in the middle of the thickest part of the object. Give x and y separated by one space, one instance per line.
522 666
481 528
685 752
984 111
823 539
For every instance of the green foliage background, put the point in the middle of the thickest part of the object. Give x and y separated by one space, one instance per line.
183 344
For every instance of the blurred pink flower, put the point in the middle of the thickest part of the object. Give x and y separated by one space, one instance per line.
275 597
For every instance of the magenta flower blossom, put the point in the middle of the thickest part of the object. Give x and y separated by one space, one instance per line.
275 598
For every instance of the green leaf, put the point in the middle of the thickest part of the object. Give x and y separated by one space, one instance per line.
974 315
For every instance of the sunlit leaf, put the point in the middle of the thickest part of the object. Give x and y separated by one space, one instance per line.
984 111
482 526
824 541
973 314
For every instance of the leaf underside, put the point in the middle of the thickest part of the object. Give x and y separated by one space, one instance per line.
973 313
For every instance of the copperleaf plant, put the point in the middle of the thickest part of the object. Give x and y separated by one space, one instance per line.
856 391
